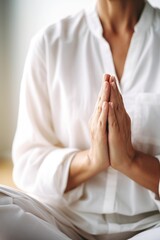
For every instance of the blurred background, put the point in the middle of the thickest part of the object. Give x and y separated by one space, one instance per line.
19 21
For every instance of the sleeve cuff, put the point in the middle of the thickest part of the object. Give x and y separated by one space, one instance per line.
55 175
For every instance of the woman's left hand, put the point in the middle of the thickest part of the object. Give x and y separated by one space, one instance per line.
121 151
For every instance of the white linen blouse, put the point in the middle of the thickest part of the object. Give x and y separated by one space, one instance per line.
61 80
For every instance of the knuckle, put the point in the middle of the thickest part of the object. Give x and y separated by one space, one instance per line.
100 124
99 109
114 124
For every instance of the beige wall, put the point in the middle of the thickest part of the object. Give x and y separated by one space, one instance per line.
19 21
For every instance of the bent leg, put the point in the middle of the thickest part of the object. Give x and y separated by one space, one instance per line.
151 234
22 217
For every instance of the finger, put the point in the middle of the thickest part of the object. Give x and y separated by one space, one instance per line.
114 97
104 116
100 93
118 95
119 110
106 77
105 94
114 88
112 119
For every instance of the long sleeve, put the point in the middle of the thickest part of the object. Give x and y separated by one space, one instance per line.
41 162
59 89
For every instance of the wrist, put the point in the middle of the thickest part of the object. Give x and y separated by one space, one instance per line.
96 165
129 162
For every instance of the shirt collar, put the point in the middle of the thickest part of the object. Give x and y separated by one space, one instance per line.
143 24
146 19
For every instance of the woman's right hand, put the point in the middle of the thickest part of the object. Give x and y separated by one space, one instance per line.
88 163
98 153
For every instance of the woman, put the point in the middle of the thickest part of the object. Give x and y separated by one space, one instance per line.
101 181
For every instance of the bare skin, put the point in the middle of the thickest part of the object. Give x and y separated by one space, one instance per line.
95 159
118 18
142 168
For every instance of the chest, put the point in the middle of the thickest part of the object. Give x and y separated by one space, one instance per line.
76 81
119 46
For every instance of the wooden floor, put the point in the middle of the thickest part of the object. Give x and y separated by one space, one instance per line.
6 167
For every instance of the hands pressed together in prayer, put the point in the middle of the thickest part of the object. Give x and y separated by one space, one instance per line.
110 128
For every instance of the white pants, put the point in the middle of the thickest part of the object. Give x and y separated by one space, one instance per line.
24 218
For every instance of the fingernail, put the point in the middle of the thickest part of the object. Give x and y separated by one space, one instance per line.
106 77
112 78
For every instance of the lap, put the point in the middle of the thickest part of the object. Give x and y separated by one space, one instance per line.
23 217
150 234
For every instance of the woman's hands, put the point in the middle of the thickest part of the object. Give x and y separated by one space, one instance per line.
111 140
110 128
98 153
138 166
121 151
88 163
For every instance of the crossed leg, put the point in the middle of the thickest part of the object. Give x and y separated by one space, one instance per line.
22 217
151 234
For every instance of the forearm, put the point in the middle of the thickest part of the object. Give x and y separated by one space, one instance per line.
145 170
140 167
